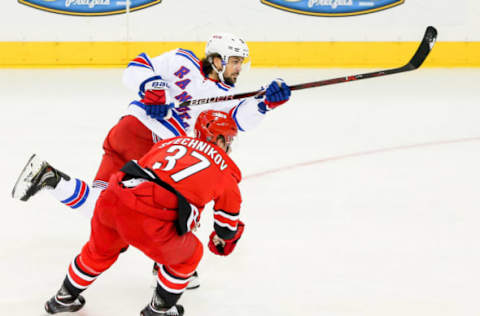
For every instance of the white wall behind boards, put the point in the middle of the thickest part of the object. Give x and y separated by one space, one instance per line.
187 20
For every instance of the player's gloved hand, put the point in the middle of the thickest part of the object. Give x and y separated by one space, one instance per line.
156 92
276 94
157 99
160 111
225 247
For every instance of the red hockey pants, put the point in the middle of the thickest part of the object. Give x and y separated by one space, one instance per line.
129 139
135 217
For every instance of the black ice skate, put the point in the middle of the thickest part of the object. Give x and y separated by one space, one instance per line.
63 302
157 308
35 176
176 310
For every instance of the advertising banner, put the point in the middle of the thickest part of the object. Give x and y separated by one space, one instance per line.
89 7
332 7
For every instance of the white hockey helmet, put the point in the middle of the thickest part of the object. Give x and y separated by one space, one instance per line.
227 45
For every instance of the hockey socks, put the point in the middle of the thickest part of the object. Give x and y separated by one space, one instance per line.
79 277
78 195
68 298
72 193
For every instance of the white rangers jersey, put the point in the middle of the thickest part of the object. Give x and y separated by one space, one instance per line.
182 70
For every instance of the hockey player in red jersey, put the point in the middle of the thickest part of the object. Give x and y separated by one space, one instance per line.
153 205
176 75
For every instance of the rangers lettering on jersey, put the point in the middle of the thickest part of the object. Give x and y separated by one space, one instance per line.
183 70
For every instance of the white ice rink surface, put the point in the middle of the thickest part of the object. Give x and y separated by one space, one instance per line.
359 198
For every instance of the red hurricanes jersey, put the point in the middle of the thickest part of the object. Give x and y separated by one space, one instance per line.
201 172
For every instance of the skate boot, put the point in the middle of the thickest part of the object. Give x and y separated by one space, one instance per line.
35 176
176 310
193 284
157 308
63 301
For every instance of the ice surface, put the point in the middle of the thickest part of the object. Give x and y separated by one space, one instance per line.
359 198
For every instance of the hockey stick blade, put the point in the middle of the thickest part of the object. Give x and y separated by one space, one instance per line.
415 62
425 47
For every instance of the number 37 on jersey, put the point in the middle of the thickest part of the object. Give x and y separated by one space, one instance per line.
193 166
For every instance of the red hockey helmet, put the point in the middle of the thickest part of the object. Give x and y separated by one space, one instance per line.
211 124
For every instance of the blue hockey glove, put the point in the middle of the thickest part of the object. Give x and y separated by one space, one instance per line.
159 111
277 93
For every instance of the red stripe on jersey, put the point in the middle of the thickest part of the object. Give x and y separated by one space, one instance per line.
83 188
232 110
77 278
225 220
190 55
142 61
177 126
224 85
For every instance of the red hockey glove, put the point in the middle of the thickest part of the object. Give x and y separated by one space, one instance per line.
157 99
277 93
156 92
227 248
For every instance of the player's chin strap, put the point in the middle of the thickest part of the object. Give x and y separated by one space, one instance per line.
219 73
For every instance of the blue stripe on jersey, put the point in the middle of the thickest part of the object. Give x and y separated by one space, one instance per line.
189 52
168 125
218 85
226 85
141 91
234 115
144 56
177 117
145 64
194 62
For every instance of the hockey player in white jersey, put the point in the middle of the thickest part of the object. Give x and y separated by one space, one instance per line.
162 81
174 76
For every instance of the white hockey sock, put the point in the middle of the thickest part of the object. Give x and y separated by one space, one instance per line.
73 192
76 194
88 207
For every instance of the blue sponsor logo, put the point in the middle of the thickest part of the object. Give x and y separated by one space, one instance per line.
332 7
89 7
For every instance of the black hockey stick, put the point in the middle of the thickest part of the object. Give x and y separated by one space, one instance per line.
420 55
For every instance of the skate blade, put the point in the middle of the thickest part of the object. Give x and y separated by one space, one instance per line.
24 183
